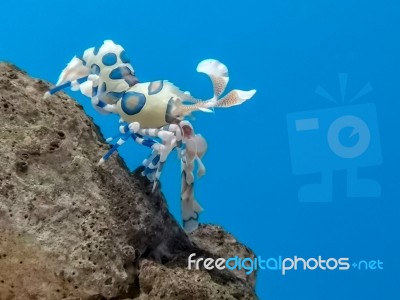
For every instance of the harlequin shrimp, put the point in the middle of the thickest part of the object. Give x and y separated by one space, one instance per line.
151 113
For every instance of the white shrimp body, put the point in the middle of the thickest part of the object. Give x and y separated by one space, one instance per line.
152 104
151 113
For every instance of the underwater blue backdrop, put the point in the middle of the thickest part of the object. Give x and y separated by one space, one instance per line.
308 61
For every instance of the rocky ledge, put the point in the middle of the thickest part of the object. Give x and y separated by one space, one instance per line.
72 230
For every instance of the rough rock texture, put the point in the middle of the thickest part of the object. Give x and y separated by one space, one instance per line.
72 230
222 244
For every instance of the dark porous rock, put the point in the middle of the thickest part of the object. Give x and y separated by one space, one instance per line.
216 240
72 230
